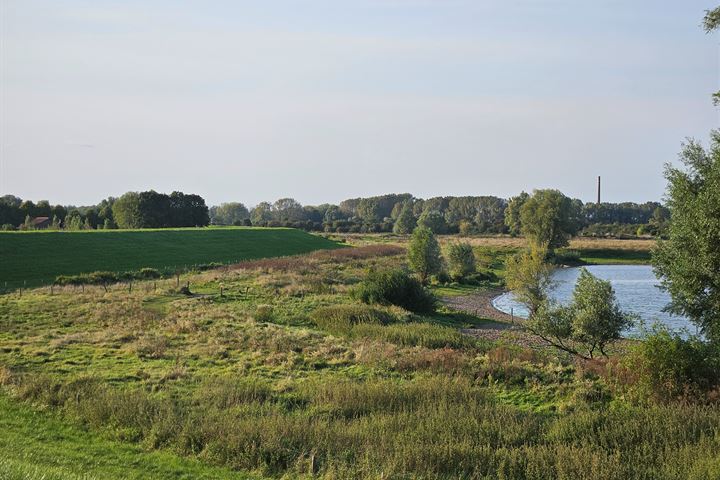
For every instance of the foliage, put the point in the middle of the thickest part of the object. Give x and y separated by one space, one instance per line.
395 287
461 260
433 220
528 276
157 210
232 213
591 321
512 213
548 218
666 367
689 261
405 222
424 255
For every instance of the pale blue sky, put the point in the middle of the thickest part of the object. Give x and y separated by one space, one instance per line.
323 100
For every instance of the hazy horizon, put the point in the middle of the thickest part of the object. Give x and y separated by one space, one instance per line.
322 101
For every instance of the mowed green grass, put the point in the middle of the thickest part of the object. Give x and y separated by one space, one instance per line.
38 257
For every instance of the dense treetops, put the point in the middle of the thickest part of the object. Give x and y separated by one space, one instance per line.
385 213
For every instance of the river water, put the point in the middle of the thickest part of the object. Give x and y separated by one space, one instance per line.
636 289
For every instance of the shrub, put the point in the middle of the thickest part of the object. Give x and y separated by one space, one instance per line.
340 319
667 367
461 260
395 287
148 273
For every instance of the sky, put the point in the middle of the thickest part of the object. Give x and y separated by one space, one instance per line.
322 100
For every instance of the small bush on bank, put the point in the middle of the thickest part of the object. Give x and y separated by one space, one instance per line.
395 287
340 319
667 367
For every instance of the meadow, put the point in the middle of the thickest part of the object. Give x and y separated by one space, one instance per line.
287 375
36 257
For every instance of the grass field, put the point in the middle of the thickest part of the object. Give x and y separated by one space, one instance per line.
38 257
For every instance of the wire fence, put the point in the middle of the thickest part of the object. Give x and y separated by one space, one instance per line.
168 278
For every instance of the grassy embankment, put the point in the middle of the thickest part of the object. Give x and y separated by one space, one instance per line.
249 381
37 257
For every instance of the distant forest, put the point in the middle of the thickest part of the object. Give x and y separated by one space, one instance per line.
398 213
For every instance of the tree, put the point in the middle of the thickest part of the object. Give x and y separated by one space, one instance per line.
261 214
512 213
461 260
74 221
591 321
231 213
126 211
688 263
424 253
529 277
433 220
405 222
287 210
547 218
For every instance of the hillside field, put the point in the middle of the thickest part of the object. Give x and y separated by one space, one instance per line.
38 257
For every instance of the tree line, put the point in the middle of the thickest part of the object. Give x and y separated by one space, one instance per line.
399 213
148 209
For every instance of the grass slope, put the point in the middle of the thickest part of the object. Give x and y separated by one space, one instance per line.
37 445
38 257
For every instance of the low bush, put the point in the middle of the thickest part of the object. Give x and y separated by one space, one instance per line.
667 367
340 319
395 287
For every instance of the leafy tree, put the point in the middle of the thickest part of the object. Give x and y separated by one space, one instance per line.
287 210
74 221
433 220
529 277
547 219
126 211
512 213
591 321
461 260
688 263
405 222
261 214
231 213
424 253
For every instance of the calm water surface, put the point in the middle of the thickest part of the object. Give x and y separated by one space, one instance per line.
636 289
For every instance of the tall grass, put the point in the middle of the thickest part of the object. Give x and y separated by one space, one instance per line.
432 427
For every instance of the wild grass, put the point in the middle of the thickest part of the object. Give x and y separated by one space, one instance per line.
283 376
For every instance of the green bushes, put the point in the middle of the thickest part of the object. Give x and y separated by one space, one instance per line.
106 279
340 319
666 367
395 287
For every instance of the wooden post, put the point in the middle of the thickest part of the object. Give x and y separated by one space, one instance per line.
130 286
154 286
221 291
177 275
51 289
512 315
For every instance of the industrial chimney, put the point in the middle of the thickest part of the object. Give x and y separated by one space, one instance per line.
598 200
